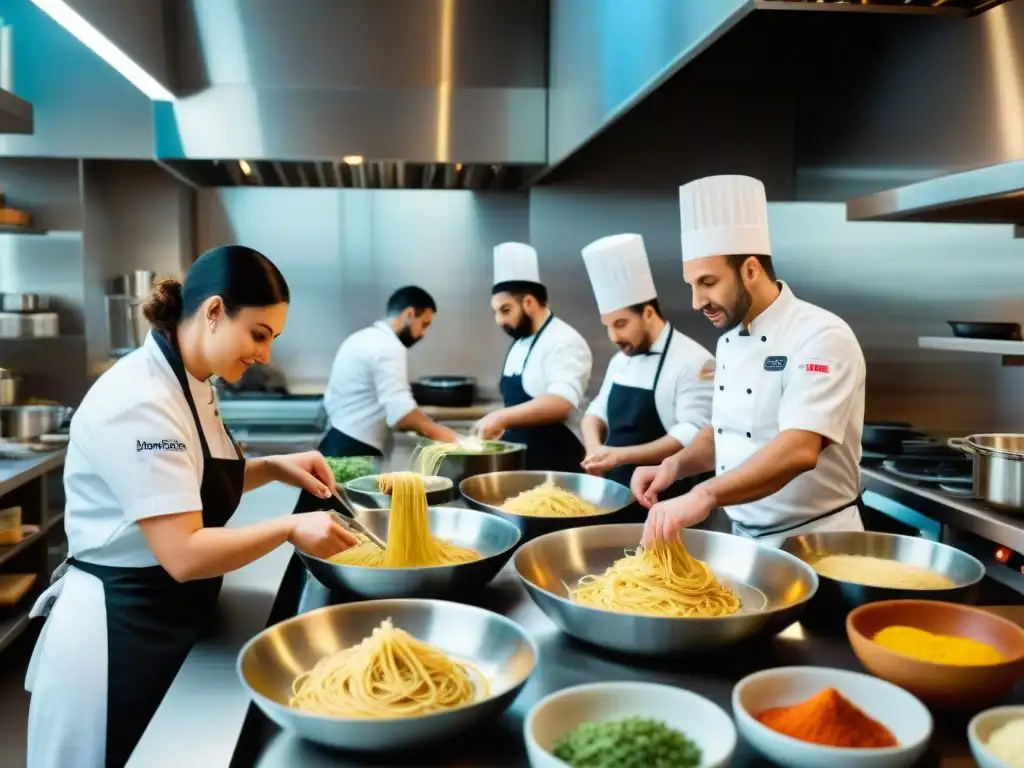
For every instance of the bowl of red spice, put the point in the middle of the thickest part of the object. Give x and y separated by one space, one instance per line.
815 717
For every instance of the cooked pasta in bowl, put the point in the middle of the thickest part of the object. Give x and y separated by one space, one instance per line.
386 674
699 591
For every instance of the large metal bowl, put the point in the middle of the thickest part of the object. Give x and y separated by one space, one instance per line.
837 598
488 492
493 538
773 587
459 466
364 491
498 647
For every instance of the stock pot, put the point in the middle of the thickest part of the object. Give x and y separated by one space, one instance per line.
998 460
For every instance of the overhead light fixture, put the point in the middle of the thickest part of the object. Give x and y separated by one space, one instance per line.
245 167
353 159
101 45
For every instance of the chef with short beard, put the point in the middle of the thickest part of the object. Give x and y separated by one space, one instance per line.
785 432
546 370
656 395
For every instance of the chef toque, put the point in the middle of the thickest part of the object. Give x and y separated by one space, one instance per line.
619 272
515 267
724 216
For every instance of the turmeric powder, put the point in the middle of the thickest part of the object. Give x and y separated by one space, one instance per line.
830 720
939 649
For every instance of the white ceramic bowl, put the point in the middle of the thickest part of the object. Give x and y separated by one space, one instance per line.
981 727
899 711
700 720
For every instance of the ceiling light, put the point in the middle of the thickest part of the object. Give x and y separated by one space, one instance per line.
353 159
101 45
246 168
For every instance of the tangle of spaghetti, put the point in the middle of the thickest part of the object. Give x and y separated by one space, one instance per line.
548 500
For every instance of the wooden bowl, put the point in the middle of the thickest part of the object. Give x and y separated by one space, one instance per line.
945 686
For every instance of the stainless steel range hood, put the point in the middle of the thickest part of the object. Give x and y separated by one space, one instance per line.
431 82
990 195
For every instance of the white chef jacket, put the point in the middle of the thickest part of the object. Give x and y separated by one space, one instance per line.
685 389
559 364
134 453
368 391
798 367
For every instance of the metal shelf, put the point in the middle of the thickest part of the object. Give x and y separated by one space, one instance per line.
11 628
980 346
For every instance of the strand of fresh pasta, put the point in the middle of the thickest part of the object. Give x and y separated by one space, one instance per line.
548 500
665 580
410 543
389 674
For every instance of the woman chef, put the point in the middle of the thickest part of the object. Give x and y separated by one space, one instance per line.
151 478
788 411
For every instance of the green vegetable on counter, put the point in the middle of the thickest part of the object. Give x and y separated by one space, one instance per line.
348 468
634 742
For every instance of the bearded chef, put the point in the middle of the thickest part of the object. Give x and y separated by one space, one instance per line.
656 395
546 370
785 433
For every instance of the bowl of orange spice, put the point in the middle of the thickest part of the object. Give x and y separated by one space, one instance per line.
951 656
819 717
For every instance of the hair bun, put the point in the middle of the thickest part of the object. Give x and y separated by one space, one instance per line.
163 306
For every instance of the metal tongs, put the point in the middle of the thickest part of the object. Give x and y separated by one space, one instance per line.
350 521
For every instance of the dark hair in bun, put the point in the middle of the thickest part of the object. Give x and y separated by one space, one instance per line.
241 276
163 306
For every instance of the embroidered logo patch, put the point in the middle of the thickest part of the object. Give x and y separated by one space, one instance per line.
816 367
159 445
775 363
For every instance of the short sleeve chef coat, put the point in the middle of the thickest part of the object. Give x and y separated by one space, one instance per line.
368 390
685 389
798 367
134 453
559 364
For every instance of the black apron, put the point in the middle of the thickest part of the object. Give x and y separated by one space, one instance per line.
549 447
760 532
152 620
336 444
633 420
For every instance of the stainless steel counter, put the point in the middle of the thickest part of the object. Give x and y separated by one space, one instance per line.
14 473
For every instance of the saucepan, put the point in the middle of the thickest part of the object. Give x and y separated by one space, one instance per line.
998 468
25 422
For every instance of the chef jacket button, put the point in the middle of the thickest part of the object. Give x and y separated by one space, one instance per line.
723 467
764 338
748 434
750 391
726 339
721 387
719 430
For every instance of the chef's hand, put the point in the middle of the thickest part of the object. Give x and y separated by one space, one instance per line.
307 471
318 534
648 482
491 426
602 461
666 518
445 434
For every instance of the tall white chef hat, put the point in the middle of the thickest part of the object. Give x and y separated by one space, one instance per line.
724 216
515 267
619 272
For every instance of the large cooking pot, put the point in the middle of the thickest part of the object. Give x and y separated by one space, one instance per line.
998 468
25 422
445 391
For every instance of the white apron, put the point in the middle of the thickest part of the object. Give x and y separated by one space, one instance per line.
848 519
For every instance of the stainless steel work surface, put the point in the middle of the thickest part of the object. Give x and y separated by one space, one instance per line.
565 662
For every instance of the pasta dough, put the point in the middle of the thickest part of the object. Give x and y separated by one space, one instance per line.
665 580
410 543
389 674
548 500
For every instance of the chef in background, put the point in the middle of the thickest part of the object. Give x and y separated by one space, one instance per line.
656 395
788 413
368 392
546 370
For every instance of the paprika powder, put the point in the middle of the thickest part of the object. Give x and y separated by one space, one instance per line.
830 720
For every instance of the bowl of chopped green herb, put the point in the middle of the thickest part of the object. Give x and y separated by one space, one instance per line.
628 725
347 468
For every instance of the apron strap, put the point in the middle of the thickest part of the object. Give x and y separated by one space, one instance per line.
533 343
759 532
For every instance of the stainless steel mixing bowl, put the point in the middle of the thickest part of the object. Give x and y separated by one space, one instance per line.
773 588
364 491
501 649
488 492
492 537
837 598
459 466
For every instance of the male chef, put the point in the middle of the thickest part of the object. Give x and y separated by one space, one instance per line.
656 395
368 392
546 370
784 439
